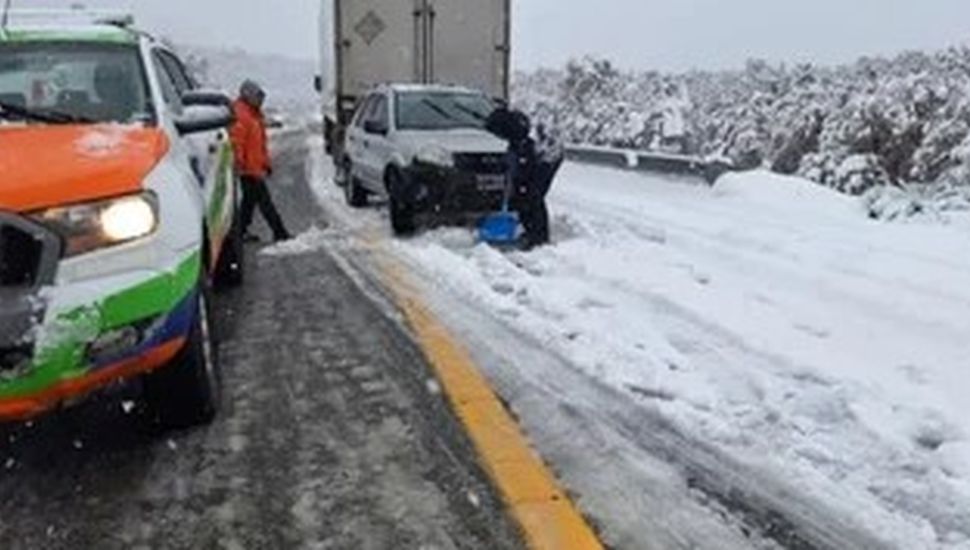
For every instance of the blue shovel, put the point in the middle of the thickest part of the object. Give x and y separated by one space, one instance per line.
501 228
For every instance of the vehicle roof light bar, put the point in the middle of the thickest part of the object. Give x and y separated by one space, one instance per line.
39 16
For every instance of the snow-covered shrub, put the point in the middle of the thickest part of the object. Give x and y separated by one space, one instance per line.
894 203
859 173
878 121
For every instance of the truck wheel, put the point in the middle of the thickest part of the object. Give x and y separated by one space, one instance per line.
187 391
231 269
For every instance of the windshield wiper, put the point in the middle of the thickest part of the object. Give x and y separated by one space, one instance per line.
437 108
8 110
475 114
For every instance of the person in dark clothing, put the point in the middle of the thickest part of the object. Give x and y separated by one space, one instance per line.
534 163
249 143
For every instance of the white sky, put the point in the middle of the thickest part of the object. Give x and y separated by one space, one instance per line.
651 34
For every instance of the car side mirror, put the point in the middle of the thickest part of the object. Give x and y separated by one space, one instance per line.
202 118
209 98
375 127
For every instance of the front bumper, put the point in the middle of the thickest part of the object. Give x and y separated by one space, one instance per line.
82 336
447 190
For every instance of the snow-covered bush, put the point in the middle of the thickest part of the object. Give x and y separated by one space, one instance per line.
876 122
917 202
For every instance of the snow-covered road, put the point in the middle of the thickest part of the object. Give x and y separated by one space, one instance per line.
753 365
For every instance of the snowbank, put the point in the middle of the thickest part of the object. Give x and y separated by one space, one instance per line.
767 316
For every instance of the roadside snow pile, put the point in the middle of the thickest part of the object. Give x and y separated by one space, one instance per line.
309 241
798 196
768 316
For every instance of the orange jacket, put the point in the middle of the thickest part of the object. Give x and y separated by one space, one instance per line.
248 136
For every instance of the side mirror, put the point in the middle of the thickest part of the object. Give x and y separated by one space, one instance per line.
201 118
375 127
318 83
208 98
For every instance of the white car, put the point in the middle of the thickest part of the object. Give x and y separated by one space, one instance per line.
425 148
117 212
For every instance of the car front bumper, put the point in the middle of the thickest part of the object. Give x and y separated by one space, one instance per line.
63 341
448 190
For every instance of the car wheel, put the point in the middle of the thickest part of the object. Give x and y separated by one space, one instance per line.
187 392
231 269
356 195
341 172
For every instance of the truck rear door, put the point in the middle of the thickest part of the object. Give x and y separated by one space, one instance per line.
378 41
468 44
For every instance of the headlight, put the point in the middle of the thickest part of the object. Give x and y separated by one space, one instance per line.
436 155
90 226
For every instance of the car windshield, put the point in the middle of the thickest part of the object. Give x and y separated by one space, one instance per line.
441 110
42 81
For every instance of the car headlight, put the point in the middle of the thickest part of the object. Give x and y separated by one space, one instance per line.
90 226
436 155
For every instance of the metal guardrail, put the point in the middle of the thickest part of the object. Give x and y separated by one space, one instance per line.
641 161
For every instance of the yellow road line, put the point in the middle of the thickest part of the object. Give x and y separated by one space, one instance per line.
546 515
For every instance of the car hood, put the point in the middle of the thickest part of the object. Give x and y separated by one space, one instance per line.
43 166
455 141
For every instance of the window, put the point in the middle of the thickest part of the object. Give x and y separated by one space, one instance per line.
441 110
169 90
176 71
363 112
97 82
379 112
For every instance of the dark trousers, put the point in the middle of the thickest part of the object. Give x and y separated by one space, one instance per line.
532 203
256 193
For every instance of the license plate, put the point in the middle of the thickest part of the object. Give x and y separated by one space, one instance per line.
491 182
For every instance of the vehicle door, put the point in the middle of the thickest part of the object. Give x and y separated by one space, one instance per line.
210 154
354 141
377 142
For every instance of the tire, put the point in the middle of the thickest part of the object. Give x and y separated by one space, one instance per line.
341 172
402 213
187 392
355 194
230 272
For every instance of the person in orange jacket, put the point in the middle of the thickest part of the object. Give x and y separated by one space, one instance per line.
249 141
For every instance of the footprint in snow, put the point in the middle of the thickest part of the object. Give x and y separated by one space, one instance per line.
587 304
914 374
505 289
815 332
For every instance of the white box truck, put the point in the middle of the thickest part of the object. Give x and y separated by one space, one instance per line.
369 42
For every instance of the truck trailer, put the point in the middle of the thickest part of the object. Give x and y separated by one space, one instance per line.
364 43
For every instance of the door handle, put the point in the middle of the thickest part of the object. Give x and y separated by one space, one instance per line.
196 165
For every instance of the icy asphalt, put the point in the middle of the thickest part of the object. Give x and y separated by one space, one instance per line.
331 435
